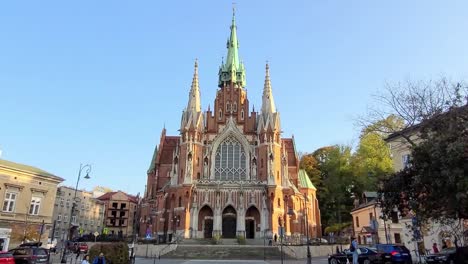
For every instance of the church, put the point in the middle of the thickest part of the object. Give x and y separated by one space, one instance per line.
229 173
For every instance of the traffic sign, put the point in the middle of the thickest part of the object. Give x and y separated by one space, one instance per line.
96 234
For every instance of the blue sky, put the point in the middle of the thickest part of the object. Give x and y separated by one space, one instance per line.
95 81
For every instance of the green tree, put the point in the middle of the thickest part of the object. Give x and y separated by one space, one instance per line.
435 185
335 172
371 161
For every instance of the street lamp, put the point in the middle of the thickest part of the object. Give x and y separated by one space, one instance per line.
88 170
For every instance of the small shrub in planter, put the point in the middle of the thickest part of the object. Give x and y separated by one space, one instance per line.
115 253
241 240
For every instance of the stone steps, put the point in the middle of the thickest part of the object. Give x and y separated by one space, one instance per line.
241 252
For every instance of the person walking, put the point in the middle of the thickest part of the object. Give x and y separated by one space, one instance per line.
435 249
354 248
99 259
85 259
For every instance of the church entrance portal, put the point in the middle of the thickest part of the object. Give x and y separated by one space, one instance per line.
205 222
208 229
229 222
250 228
252 217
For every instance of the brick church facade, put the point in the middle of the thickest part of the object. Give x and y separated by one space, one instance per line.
229 173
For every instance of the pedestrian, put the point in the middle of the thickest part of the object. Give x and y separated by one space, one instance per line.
275 238
434 248
444 244
354 249
100 259
85 259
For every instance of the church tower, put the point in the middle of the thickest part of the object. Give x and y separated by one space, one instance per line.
228 172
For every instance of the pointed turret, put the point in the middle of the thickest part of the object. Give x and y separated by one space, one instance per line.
194 97
269 117
192 116
233 69
268 103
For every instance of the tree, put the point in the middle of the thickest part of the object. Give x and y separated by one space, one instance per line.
434 186
335 173
372 158
311 166
413 102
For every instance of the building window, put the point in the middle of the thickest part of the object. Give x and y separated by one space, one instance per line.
61 201
59 218
230 160
68 202
406 160
228 106
394 216
92 222
35 205
397 238
242 114
234 106
357 221
9 203
65 219
220 115
73 219
180 201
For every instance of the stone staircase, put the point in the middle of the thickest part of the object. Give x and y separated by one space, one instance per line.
241 252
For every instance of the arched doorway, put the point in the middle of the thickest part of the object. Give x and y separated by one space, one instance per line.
229 222
252 219
205 221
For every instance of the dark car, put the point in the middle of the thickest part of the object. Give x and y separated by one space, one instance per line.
366 256
394 253
30 253
446 255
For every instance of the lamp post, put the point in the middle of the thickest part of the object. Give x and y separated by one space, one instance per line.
88 170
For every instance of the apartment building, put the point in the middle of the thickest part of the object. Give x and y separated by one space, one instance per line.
25 193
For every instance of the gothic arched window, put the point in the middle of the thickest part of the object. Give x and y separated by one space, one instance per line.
230 161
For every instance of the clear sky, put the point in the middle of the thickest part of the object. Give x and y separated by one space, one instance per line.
95 81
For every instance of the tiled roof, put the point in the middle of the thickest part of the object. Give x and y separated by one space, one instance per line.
304 181
108 195
27 168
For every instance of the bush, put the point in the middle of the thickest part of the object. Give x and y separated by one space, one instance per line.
216 239
241 240
115 253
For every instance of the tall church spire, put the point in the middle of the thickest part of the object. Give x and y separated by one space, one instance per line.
268 103
194 96
233 69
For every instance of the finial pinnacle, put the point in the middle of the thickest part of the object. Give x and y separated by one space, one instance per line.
196 62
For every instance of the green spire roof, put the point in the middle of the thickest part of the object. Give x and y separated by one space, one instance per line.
304 181
233 69
153 160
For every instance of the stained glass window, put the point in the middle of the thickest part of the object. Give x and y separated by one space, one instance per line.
230 161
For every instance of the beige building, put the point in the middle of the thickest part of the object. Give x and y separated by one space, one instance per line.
369 227
26 193
88 214
120 213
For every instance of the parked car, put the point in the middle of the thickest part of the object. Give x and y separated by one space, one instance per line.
83 247
394 253
366 256
30 253
6 258
315 241
446 255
